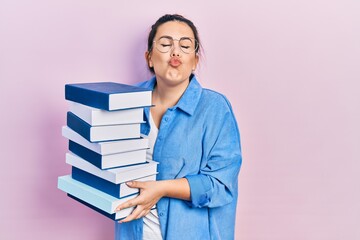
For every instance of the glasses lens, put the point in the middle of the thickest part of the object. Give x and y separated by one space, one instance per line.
188 45
164 44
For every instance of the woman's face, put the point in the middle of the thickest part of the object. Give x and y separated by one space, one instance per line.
173 67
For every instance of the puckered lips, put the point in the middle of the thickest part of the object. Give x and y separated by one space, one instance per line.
175 62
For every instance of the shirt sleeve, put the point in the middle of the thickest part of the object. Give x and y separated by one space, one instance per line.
216 183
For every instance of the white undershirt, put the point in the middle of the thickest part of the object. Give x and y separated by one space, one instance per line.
151 220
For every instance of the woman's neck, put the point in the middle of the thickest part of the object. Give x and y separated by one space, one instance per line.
168 96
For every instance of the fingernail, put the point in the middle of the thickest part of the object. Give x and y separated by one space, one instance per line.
129 183
118 209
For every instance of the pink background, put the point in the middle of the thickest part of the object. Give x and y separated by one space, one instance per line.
290 68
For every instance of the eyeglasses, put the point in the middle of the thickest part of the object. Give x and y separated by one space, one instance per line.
186 44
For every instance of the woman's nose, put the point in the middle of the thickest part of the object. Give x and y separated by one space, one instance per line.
175 51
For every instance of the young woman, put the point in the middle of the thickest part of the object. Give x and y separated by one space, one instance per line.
194 137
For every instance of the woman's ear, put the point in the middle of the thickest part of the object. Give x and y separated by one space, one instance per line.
148 59
196 62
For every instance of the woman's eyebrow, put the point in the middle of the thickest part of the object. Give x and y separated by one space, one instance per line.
167 36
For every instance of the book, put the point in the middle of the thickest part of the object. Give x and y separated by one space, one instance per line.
108 95
113 216
91 195
102 133
98 117
110 160
117 190
108 147
114 175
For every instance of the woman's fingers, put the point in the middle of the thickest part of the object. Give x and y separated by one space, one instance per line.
127 204
135 184
138 212
148 197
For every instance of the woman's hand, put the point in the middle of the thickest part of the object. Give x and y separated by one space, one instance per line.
150 194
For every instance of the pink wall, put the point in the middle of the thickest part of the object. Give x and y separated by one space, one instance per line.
290 68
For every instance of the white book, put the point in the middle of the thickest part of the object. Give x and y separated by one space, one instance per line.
108 147
102 133
91 195
98 117
114 175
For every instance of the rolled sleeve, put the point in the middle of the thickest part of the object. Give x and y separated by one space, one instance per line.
200 190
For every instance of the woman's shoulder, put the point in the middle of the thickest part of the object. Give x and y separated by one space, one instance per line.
215 100
216 111
142 84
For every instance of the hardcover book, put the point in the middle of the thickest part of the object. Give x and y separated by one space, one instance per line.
113 216
108 147
110 160
102 133
98 117
91 195
114 175
117 190
108 95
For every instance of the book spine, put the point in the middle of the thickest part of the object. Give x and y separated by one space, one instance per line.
75 137
78 162
78 125
86 154
96 182
91 195
87 97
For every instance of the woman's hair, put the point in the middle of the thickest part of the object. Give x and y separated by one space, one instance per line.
168 18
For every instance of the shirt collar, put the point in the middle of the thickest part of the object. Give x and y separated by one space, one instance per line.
189 99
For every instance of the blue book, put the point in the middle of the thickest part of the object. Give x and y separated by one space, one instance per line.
92 196
115 175
108 95
110 160
117 190
113 216
102 133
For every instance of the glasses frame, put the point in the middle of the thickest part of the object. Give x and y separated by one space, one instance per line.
172 45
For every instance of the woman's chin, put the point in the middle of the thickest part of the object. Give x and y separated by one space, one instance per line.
174 74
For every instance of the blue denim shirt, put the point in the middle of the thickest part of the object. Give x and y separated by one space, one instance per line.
198 140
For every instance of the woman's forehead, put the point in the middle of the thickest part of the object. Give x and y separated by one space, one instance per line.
174 29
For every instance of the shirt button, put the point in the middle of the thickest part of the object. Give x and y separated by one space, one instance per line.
166 119
161 214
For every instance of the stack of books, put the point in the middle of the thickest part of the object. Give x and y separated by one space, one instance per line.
105 146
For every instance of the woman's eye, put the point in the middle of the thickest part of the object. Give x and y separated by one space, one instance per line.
186 47
165 45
